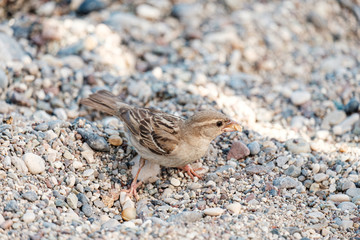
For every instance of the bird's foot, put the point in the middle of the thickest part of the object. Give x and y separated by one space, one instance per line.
190 171
132 192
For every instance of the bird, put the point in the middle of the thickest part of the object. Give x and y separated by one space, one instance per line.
162 138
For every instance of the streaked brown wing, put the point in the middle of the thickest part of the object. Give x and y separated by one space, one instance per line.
154 130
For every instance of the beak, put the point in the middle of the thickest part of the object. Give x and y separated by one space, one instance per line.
232 126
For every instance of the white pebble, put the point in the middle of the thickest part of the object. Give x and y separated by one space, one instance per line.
34 163
234 207
175 182
214 211
339 198
300 97
29 216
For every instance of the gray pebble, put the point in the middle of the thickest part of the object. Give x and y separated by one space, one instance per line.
352 106
190 216
3 80
254 148
30 196
94 141
352 192
12 206
293 171
87 210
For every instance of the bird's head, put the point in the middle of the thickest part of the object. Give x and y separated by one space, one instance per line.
210 124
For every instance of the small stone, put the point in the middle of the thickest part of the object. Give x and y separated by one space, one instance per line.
4 81
110 224
254 148
346 224
297 146
34 163
115 140
68 155
333 118
147 11
352 192
319 177
2 219
352 106
238 151
175 182
19 164
94 141
11 206
129 213
77 164
31 196
7 224
339 198
286 182
60 203
88 6
88 172
60 113
234 208
293 171
281 161
315 168
29 216
186 217
256 169
72 200
87 210
316 214
300 97
214 211
346 125
356 200
195 185
347 206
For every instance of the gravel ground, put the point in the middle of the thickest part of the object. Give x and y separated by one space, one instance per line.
288 70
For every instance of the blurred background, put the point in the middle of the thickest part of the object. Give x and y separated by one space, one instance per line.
270 64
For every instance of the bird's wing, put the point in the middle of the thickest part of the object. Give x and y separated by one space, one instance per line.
155 130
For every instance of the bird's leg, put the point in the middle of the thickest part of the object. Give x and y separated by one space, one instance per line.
190 171
134 185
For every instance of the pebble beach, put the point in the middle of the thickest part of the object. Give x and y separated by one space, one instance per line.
288 71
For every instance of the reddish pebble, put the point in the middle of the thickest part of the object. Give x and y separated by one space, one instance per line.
238 150
7 224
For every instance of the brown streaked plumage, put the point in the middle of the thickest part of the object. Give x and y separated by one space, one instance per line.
163 138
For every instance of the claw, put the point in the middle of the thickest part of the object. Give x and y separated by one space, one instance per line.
132 192
190 171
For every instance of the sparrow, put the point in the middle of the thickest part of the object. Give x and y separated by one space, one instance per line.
163 138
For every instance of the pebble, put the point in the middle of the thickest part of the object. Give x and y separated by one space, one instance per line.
175 182
286 182
11 206
214 211
352 106
29 216
300 97
77 164
72 200
238 151
186 217
88 6
34 163
319 177
254 148
115 140
110 224
2 219
297 146
31 196
333 118
234 208
256 169
281 161
346 224
86 209
88 172
293 171
96 142
128 213
339 198
4 81
346 125
352 192
344 206
149 12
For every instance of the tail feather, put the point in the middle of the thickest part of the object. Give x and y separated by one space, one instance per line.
103 101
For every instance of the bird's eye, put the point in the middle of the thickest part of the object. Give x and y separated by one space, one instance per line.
219 123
